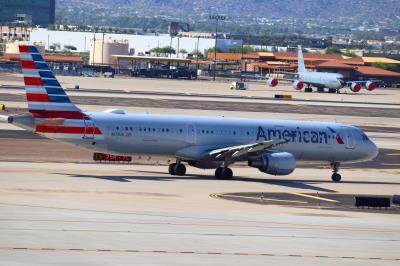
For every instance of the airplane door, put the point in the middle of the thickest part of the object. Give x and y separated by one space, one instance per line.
349 138
89 129
191 134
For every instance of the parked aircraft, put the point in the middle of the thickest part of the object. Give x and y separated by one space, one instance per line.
271 146
333 81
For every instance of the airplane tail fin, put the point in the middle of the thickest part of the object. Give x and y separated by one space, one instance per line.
300 63
46 98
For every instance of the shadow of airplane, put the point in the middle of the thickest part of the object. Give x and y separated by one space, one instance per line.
307 184
162 176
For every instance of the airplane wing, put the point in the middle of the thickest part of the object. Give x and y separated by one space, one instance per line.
362 81
230 153
287 73
241 150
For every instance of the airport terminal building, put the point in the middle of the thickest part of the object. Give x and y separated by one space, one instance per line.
35 12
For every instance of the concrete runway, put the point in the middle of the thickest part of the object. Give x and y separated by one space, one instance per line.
79 213
57 207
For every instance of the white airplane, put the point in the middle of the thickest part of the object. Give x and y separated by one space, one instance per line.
271 146
333 81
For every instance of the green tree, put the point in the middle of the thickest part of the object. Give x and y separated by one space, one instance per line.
69 47
197 54
386 66
85 57
333 50
212 50
163 50
183 51
55 46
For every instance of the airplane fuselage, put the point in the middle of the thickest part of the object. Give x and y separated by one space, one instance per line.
322 79
132 134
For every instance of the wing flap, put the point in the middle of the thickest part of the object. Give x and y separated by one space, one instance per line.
241 150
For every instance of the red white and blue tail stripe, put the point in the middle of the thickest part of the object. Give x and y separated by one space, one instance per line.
47 100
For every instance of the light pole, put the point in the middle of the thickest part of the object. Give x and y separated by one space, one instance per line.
216 18
102 54
177 53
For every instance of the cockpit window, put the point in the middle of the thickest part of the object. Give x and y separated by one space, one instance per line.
364 137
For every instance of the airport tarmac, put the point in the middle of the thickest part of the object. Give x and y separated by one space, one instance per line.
58 207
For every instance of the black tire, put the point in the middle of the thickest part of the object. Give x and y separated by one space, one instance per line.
322 90
332 90
226 174
336 177
308 89
218 173
171 168
180 169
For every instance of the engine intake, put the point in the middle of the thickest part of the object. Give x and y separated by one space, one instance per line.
355 87
298 85
272 82
277 163
370 86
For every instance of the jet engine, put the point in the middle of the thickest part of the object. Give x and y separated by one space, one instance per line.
370 86
298 85
272 82
277 163
355 87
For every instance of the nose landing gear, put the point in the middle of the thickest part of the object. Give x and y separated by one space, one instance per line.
335 168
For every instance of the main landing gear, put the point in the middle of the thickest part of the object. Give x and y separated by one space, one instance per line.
335 176
223 173
308 89
177 168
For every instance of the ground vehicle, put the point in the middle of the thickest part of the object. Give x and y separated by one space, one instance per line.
239 85
164 71
108 74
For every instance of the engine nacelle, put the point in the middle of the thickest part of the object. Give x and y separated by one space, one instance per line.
272 82
298 85
277 163
355 87
370 86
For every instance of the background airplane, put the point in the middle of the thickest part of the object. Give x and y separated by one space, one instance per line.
271 146
333 81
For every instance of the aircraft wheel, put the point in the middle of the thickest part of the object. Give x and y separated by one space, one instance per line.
226 173
322 90
218 173
308 89
180 169
332 90
336 177
171 168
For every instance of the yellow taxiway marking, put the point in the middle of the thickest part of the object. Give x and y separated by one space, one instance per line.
393 154
315 197
391 164
263 198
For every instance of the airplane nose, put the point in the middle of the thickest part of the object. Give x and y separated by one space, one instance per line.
373 150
